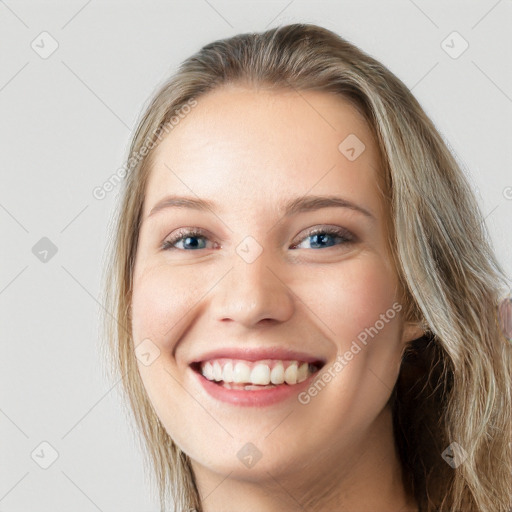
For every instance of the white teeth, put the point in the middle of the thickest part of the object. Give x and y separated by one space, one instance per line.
217 371
246 387
290 375
227 372
302 372
208 370
241 373
277 374
260 374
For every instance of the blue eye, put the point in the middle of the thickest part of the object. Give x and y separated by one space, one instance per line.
327 237
189 238
322 238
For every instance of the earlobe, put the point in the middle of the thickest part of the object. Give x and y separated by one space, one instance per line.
413 331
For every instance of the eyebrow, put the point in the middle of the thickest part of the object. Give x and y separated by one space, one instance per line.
298 205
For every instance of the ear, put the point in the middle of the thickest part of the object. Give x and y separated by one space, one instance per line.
412 331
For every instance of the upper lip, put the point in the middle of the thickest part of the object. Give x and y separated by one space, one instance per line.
258 354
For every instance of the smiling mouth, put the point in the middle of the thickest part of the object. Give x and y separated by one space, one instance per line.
239 374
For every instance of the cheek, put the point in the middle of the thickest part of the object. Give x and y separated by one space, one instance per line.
359 305
352 296
161 302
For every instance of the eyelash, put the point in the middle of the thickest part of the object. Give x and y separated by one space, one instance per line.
342 233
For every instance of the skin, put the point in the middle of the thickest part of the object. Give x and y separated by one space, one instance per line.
250 151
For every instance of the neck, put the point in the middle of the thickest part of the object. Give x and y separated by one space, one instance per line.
363 475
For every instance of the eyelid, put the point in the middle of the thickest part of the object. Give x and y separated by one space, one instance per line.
325 228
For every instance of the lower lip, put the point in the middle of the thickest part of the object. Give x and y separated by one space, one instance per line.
256 397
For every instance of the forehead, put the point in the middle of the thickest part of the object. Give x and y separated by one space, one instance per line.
246 146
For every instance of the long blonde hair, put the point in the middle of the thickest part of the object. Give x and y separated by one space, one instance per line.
455 381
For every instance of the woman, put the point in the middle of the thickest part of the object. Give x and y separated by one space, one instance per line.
304 292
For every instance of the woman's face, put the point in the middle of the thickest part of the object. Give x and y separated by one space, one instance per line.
253 282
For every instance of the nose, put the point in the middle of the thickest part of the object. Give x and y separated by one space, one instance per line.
253 293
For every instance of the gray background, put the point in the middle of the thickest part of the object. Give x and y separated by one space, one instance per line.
65 122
